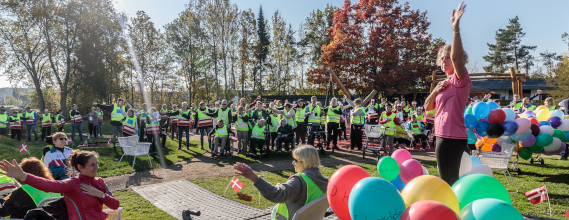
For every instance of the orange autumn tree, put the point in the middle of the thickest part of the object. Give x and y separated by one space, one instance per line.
377 44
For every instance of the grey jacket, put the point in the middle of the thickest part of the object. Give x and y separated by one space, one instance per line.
293 192
356 112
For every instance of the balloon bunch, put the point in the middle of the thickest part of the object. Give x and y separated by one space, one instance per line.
542 131
470 164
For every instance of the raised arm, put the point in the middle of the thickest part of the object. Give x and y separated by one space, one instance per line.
457 52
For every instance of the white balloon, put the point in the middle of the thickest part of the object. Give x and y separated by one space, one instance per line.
504 139
482 168
546 129
465 164
425 171
557 113
564 125
555 145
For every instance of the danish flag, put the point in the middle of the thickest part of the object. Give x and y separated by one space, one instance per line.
23 148
85 144
89 137
538 195
109 142
236 184
69 141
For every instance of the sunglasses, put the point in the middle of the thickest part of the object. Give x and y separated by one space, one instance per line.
63 139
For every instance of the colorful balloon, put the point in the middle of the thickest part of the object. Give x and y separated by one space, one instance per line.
561 149
481 128
524 153
536 149
495 130
481 110
497 116
429 210
529 112
557 113
429 187
425 171
510 115
542 123
555 144
564 125
465 164
339 187
510 128
398 183
468 110
489 209
530 141
543 115
522 136
523 125
410 169
546 129
482 169
543 139
492 105
479 186
371 191
470 121
555 121
558 134
566 138
496 148
401 155
475 160
534 121
388 168
535 130
471 137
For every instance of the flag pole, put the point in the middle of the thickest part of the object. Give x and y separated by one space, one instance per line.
227 187
548 202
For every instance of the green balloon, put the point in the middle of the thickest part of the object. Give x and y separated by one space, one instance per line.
536 149
469 110
524 153
388 168
558 134
489 209
479 186
543 139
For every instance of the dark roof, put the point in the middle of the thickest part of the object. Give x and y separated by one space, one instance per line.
478 89
531 84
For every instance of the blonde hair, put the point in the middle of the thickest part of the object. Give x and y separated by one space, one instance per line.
549 100
447 48
308 155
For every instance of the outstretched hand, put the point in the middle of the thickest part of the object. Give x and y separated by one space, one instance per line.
245 171
13 170
456 14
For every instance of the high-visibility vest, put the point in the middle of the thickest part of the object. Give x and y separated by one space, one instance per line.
300 114
16 123
91 118
291 120
164 116
144 114
517 107
389 126
75 119
333 117
28 115
412 111
60 120
259 114
38 195
312 192
219 132
153 128
182 122
358 119
3 120
258 132
407 109
46 120
275 122
315 116
203 119
552 108
175 119
129 125
100 116
116 114
374 114
531 108
241 125
415 127
431 118
21 116
223 115
421 117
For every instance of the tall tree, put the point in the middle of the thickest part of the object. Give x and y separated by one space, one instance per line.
549 60
316 32
247 26
262 50
559 79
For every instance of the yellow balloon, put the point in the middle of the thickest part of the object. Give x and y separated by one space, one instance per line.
541 107
543 115
566 117
522 116
427 187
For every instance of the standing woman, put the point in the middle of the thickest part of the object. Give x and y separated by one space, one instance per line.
449 98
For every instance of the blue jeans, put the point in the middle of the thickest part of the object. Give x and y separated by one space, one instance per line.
100 129
313 127
31 128
78 127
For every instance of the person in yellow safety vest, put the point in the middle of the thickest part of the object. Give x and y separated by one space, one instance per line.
47 120
357 120
313 112
16 126
142 114
118 113
258 136
549 104
56 154
517 103
224 113
3 121
405 107
100 117
301 188
372 112
417 129
241 121
420 114
289 115
413 108
334 111
174 121
129 125
60 120
301 121
164 119
26 197
184 122
203 121
389 120
30 118
527 106
273 121
222 132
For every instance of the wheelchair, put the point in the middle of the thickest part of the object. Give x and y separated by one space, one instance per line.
227 150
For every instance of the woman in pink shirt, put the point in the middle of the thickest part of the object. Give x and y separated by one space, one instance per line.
449 98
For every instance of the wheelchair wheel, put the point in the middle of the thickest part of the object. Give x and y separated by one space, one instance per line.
229 148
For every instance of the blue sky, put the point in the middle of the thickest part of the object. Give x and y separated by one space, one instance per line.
543 21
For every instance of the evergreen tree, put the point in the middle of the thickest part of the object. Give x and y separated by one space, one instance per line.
262 47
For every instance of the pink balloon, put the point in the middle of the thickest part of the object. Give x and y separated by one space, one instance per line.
401 155
339 187
410 169
517 116
523 124
429 210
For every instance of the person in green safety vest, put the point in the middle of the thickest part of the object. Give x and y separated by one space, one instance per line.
301 188
373 112
390 121
260 113
273 121
416 129
30 117
550 104
333 113
527 106
4 120
60 120
224 112
301 121
15 125
241 121
222 132
26 197
420 114
142 114
313 113
184 123
259 134
413 108
129 126
118 113
357 119
174 120
100 117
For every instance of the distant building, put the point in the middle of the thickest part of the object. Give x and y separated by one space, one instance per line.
503 88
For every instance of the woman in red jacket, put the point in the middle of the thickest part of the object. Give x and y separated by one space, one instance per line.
84 195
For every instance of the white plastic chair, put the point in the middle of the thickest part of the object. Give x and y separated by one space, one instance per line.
314 210
498 160
131 147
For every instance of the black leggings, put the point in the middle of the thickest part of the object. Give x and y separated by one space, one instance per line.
449 154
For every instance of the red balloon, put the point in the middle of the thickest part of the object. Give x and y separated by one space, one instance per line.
428 210
339 187
497 116
534 121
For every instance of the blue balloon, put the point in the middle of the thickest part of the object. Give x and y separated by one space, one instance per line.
542 123
471 137
510 115
460 177
486 209
375 198
492 105
470 121
481 110
475 160
481 128
398 183
510 128
521 136
566 138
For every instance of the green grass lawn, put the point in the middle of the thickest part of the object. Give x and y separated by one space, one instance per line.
553 173
136 207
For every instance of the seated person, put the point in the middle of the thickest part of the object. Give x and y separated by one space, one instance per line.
56 154
307 185
85 194
285 135
20 201
222 132
259 133
399 137
417 129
